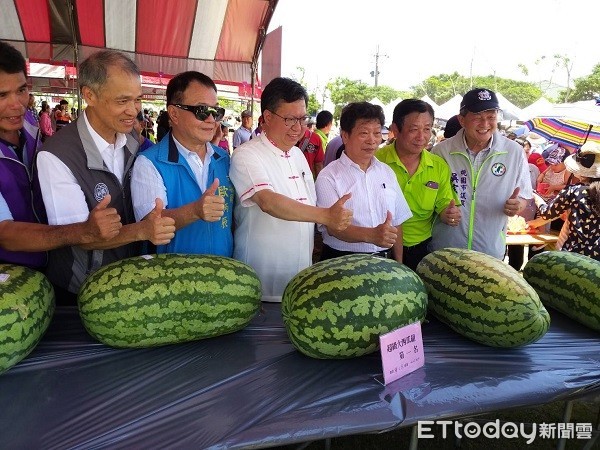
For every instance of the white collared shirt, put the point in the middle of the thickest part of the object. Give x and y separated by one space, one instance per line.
5 213
63 198
147 184
374 193
478 158
276 249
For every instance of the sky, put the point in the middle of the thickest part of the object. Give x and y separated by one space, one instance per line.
418 39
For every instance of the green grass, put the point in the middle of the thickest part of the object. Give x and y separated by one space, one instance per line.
583 412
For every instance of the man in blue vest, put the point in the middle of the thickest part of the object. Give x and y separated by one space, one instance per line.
24 240
188 173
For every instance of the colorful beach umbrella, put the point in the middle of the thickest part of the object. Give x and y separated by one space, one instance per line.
565 131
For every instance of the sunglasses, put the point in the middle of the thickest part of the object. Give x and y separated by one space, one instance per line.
203 111
586 160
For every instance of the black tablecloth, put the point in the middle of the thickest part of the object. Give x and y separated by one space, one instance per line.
252 388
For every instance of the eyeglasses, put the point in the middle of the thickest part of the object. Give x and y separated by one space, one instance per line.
203 111
291 121
586 160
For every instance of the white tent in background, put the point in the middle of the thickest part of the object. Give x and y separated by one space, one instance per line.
541 107
427 99
583 111
449 109
510 111
376 101
433 104
388 110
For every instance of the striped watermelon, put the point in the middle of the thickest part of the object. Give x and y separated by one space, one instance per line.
482 298
568 282
26 308
339 307
169 298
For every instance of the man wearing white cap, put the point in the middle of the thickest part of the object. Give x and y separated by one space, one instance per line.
490 175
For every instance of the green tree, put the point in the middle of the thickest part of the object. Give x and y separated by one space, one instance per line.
343 91
586 88
441 88
313 104
384 93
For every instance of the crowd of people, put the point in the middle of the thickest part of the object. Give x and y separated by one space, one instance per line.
102 188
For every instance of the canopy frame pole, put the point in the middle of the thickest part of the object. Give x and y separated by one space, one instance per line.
71 9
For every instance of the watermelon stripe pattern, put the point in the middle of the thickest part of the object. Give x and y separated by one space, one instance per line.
170 298
26 309
482 298
568 282
339 307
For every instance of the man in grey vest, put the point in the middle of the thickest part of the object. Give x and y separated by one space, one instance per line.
90 159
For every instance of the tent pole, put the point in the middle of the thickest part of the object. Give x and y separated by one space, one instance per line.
254 71
75 53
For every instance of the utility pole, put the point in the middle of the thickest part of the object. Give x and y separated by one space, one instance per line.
375 73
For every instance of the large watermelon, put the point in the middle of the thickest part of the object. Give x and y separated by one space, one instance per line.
568 282
482 298
166 299
26 308
339 307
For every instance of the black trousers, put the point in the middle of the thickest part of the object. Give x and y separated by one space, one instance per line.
64 297
328 253
412 256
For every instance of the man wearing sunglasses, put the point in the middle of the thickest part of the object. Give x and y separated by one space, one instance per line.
275 209
188 172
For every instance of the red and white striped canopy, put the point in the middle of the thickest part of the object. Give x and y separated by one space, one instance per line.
221 38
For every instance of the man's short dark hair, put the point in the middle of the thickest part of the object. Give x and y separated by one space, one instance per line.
180 83
280 90
408 106
360 110
11 59
324 118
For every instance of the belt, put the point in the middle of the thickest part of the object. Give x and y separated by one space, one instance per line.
381 254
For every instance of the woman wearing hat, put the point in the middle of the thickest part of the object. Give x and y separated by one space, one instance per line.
582 200
552 180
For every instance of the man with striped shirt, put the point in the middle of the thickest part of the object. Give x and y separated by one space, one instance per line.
378 206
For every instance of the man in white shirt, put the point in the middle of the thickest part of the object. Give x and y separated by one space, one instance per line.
90 159
275 207
378 206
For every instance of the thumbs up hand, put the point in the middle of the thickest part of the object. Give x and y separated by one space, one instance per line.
339 217
451 215
103 223
385 233
513 204
211 207
160 230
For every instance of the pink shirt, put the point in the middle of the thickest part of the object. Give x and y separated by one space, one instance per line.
46 124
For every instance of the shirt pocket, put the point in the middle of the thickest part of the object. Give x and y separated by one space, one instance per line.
390 201
426 198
